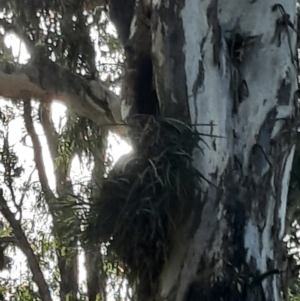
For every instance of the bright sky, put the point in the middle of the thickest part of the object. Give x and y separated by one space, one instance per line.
25 153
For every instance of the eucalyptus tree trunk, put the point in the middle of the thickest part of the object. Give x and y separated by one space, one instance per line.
230 64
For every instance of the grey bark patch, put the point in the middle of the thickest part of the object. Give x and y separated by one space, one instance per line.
284 91
171 78
260 158
199 80
243 91
213 21
238 45
259 161
194 293
197 217
282 24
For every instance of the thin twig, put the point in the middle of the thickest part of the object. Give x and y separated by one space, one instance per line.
27 185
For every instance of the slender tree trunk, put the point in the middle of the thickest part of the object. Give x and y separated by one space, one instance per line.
96 276
67 249
231 64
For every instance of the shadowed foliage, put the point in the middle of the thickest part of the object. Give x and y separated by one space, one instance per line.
146 196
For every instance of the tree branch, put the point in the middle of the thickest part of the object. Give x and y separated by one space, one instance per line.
37 148
45 80
49 129
23 243
27 185
96 277
8 240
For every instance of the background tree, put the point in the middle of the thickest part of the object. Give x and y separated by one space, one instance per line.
209 102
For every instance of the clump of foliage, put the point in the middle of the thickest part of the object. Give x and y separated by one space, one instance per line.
292 224
147 195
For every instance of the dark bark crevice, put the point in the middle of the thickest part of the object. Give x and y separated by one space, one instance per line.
170 79
132 21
